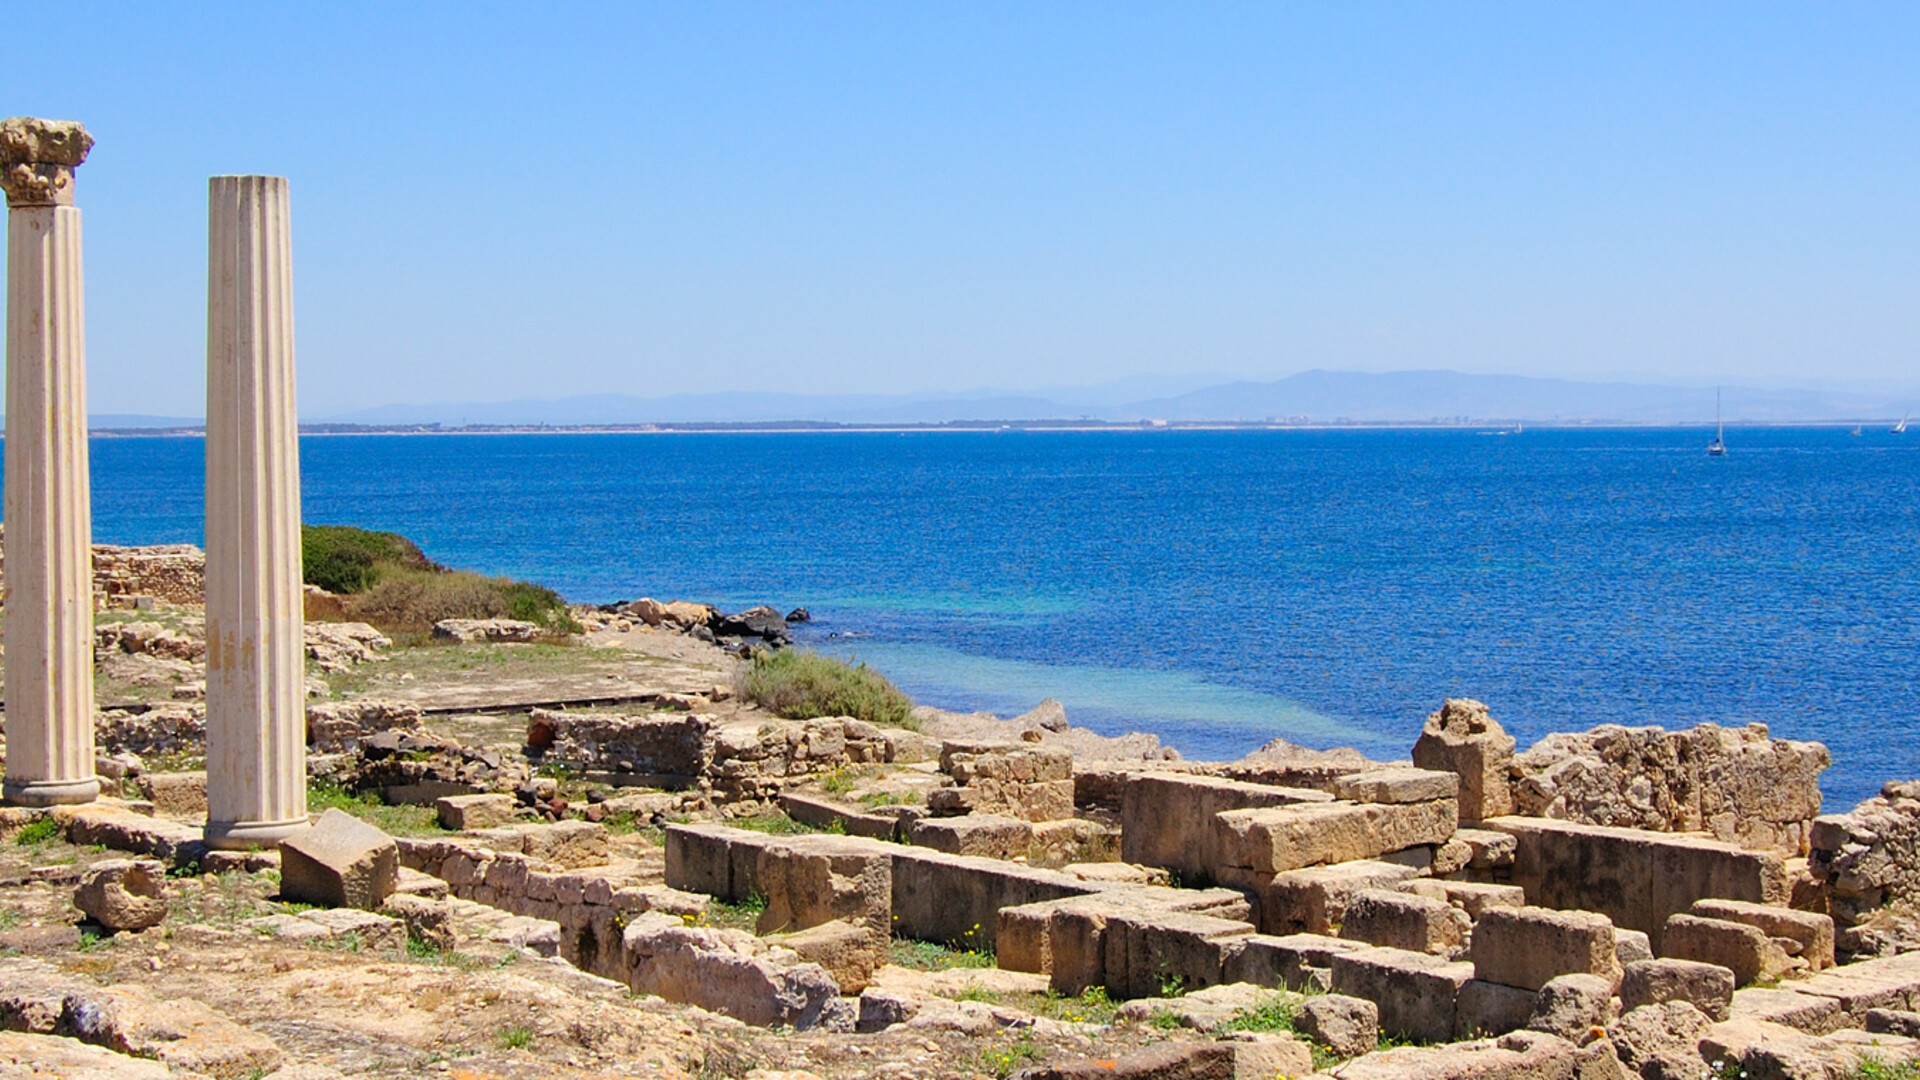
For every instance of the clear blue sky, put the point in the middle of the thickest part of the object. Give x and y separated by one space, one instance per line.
494 202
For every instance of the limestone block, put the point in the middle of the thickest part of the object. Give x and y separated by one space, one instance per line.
1415 992
1404 921
33 993
1520 1055
1893 1022
1746 950
1572 1005
1072 840
1265 960
30 1055
1761 1048
1810 932
1487 849
881 1009
1206 1010
1315 900
727 971
1397 785
340 861
1525 947
1148 954
1482 1009
374 932
1811 1013
1451 857
1077 946
1263 1055
849 951
565 843
179 1032
957 898
461 812
1707 987
171 842
987 835
1631 945
1463 739
1886 983
1280 839
700 859
427 921
1471 897
1348 1026
471 631
124 894
181 794
1167 819
1661 1042
1163 1061
812 880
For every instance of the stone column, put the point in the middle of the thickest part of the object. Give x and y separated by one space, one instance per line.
49 564
256 665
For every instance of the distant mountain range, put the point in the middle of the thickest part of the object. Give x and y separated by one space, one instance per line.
1309 397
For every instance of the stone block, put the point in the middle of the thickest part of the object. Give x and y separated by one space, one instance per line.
1661 1042
987 835
1810 932
340 861
461 812
1348 1026
1167 819
1570 1006
1746 950
1488 850
1314 900
1636 878
1707 987
1415 992
1397 785
569 844
1279 839
1471 897
956 899
1404 921
57 1057
714 859
1265 1055
850 952
1463 739
1150 954
1894 1022
811 880
1890 982
1812 1013
428 921
1525 947
176 794
824 813
1164 1061
1265 960
727 971
1483 1009
1519 1055
179 1032
124 894
1631 945
172 842
1074 840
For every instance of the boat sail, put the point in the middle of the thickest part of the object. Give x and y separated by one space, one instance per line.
1901 427
1718 447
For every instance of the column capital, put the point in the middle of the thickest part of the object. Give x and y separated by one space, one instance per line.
37 159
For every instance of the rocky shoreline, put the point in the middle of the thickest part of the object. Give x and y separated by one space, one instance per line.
597 856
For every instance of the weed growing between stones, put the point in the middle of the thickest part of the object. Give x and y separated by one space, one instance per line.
323 795
38 833
517 1037
778 824
1001 1061
933 956
734 914
1876 1068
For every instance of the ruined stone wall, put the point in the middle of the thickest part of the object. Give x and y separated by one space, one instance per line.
176 573
1738 784
729 762
1868 861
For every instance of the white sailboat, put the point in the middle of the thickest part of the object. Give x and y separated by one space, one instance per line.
1718 447
1901 427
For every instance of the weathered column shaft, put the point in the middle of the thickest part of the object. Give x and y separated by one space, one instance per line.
49 526
256 670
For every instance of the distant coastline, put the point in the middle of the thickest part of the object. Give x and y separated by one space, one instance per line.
804 427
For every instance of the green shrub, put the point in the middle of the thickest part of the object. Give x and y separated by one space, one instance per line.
343 559
802 685
385 579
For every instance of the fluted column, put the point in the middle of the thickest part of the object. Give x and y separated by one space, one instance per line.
256 671
49 564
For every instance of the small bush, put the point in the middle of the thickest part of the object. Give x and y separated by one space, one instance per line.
38 832
343 559
803 685
385 579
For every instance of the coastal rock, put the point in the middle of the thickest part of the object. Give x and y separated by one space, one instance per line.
471 631
1464 739
1868 863
762 622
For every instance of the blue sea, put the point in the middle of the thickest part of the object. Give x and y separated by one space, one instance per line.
1217 588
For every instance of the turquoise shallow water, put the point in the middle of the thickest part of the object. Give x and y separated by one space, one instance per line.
1219 589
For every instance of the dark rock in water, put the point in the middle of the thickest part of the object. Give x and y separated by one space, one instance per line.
799 614
762 622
